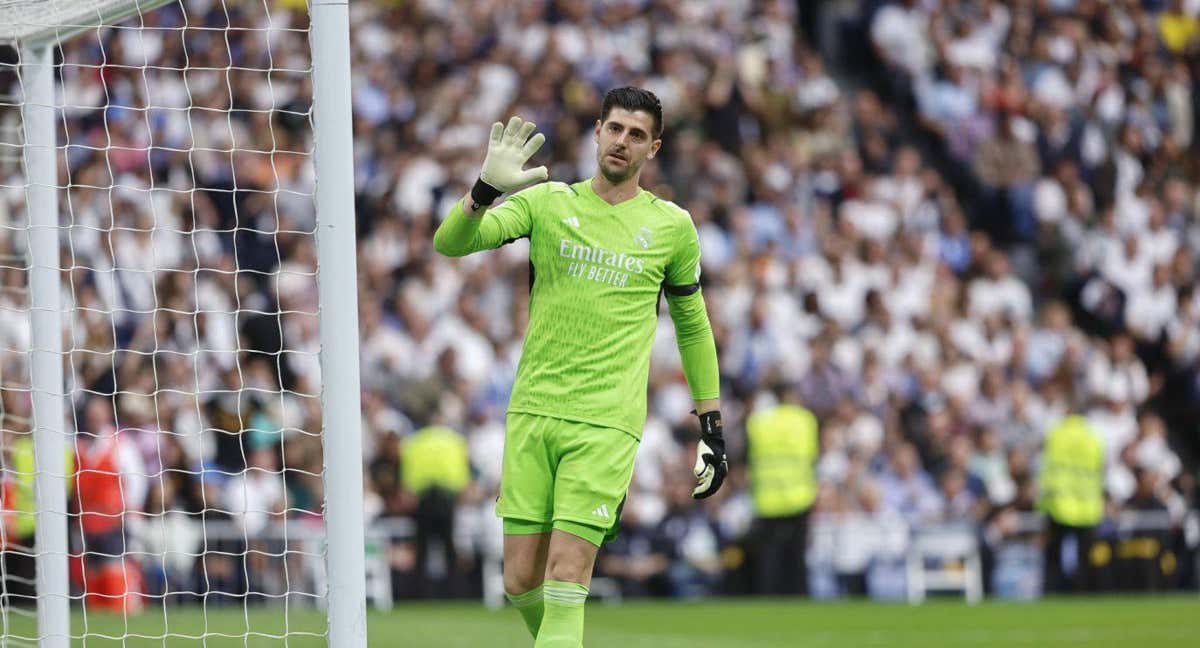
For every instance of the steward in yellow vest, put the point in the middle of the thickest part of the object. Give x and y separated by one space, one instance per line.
18 514
434 466
1071 493
781 457
435 457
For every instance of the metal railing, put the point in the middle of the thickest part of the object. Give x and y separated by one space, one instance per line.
901 559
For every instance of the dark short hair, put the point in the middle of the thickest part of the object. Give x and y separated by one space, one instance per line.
631 99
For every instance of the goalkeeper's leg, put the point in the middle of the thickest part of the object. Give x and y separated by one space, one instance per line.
525 548
569 564
526 504
590 484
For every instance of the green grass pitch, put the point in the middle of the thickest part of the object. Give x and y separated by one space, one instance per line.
741 623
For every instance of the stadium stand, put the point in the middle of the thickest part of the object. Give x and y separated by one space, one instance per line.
946 225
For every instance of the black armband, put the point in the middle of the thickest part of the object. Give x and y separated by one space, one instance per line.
483 194
681 291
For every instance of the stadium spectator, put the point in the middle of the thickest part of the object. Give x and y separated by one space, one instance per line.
639 558
693 543
1141 557
110 483
907 488
825 384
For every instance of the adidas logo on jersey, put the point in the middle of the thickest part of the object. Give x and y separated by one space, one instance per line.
573 221
601 511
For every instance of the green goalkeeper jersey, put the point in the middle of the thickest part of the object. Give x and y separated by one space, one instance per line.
597 272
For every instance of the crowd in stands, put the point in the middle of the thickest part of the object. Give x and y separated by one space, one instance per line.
989 225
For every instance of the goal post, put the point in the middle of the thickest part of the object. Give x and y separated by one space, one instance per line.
173 196
338 271
45 354
46 385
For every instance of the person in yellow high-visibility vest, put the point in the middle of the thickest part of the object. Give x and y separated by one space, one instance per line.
18 508
1071 493
781 456
435 466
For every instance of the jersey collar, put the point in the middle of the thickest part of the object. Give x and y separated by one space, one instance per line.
585 188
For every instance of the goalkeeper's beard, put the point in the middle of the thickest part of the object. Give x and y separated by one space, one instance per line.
618 175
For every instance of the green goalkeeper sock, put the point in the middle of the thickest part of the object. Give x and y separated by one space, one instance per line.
529 605
562 626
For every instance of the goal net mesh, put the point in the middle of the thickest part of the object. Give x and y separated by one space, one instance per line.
190 339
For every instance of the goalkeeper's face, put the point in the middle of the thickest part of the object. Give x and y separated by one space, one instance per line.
624 141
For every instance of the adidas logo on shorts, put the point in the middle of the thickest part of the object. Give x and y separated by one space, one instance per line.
601 511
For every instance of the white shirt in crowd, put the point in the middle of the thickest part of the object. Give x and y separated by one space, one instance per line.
1125 381
1007 295
251 496
902 35
1147 312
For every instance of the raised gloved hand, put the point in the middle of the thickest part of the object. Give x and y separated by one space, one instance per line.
509 148
711 466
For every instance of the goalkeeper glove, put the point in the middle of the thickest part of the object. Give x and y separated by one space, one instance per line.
711 466
509 148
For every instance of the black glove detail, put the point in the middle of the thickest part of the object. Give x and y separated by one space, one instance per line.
711 465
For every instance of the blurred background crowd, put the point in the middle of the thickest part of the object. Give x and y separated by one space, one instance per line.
939 226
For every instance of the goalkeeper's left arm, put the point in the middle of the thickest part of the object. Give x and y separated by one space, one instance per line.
697 348
698 353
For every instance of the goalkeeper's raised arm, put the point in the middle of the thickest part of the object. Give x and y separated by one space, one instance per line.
465 230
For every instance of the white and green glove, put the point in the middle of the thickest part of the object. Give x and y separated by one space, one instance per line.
509 148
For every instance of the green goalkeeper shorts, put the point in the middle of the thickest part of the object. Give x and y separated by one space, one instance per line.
564 474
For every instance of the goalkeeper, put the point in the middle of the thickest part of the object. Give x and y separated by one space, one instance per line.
601 250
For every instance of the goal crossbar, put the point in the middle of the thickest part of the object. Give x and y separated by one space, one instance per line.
39 22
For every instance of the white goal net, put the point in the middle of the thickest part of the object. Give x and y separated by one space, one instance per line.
184 175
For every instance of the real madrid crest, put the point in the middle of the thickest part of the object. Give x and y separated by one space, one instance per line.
644 238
